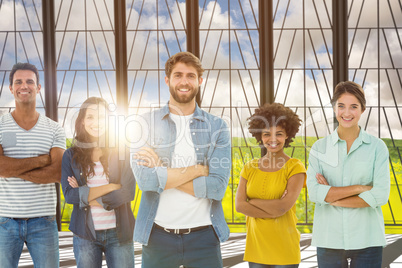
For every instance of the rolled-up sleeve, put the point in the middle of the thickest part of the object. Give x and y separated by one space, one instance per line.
83 193
77 196
126 193
379 194
150 179
219 164
316 192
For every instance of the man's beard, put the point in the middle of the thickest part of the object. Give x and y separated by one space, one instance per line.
183 98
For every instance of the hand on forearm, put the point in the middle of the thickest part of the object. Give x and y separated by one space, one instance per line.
250 210
271 206
147 157
46 174
187 188
338 193
44 160
72 181
94 203
99 191
179 176
13 167
350 202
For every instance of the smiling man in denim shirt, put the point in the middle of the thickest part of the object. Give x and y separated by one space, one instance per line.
183 171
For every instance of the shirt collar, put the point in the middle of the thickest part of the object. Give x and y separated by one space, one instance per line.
363 137
197 112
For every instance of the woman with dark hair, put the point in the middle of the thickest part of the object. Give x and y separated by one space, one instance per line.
101 187
348 179
268 190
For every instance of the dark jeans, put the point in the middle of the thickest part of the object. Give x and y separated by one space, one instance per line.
360 258
88 254
259 265
197 249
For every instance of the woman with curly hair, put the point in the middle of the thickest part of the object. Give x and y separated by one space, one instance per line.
268 190
101 187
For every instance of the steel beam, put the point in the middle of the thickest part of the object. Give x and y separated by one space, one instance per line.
266 33
193 32
340 43
50 75
120 35
340 40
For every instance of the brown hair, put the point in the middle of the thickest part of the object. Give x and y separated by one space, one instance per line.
351 88
274 114
23 66
187 58
82 145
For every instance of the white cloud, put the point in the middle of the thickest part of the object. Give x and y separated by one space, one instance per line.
214 18
221 20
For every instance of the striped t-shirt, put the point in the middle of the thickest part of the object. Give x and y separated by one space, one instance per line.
103 219
20 198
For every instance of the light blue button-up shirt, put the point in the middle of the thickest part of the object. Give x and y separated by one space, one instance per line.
367 163
211 138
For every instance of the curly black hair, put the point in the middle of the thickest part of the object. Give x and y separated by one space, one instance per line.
274 114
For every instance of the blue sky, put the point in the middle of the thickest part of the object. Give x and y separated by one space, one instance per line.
221 49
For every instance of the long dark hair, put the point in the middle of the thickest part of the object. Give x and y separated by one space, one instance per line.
83 145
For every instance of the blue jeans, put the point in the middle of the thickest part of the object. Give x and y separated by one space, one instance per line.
197 249
88 254
39 234
360 258
259 265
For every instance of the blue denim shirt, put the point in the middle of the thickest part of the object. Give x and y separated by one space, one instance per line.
211 138
81 222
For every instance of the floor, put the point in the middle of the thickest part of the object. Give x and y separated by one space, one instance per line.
232 252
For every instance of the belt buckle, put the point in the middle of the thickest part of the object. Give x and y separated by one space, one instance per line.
176 231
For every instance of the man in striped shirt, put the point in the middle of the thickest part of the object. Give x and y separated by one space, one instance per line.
31 149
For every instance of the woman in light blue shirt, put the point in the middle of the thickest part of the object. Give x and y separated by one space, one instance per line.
348 179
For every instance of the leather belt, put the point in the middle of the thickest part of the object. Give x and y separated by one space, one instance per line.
24 219
181 231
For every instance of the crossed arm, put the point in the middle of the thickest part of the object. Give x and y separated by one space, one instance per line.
346 196
179 178
81 195
95 192
269 208
41 169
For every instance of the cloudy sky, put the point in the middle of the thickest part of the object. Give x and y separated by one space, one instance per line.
229 53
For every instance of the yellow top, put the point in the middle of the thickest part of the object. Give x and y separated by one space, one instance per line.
272 241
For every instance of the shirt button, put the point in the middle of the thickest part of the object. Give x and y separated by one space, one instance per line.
212 215
196 149
191 121
193 133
